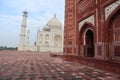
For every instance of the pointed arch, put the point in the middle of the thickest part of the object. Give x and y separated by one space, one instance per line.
112 15
85 26
58 41
87 39
113 34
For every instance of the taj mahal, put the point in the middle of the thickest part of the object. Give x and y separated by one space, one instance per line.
50 39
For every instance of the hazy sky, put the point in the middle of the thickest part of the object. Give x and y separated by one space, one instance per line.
39 12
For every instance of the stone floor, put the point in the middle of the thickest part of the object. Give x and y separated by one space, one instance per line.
40 66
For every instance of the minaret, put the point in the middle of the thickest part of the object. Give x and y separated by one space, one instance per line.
23 31
37 41
28 37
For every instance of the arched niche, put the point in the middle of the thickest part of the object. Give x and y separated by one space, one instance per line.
58 41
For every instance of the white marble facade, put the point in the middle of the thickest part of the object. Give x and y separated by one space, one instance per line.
50 39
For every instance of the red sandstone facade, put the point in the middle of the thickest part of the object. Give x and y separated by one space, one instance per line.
92 28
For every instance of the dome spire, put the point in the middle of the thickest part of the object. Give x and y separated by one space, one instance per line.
54 15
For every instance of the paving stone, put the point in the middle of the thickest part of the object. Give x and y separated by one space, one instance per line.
41 66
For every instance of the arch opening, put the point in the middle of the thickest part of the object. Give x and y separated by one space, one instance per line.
114 36
58 41
89 44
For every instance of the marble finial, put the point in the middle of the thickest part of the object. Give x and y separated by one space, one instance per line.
54 15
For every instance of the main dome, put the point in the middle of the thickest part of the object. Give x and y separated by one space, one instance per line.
54 23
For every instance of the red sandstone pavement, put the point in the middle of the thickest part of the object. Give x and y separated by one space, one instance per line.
41 66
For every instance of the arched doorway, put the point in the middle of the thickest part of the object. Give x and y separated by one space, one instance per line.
114 35
89 43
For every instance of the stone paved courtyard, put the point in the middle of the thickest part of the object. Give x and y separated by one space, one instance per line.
41 66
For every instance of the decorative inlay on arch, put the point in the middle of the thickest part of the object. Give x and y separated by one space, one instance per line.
89 19
109 9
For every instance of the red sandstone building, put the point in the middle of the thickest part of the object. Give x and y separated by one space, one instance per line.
92 29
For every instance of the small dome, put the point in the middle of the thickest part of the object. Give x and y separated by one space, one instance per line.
25 12
54 23
46 28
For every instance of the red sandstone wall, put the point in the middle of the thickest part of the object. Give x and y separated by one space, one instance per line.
70 26
78 10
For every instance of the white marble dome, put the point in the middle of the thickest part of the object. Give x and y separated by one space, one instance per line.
54 23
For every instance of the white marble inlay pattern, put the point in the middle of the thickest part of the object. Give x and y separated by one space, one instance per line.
89 19
109 9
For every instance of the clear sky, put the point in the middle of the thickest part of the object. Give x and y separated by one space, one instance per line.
39 12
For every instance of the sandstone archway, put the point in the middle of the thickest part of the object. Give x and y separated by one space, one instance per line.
114 35
87 40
